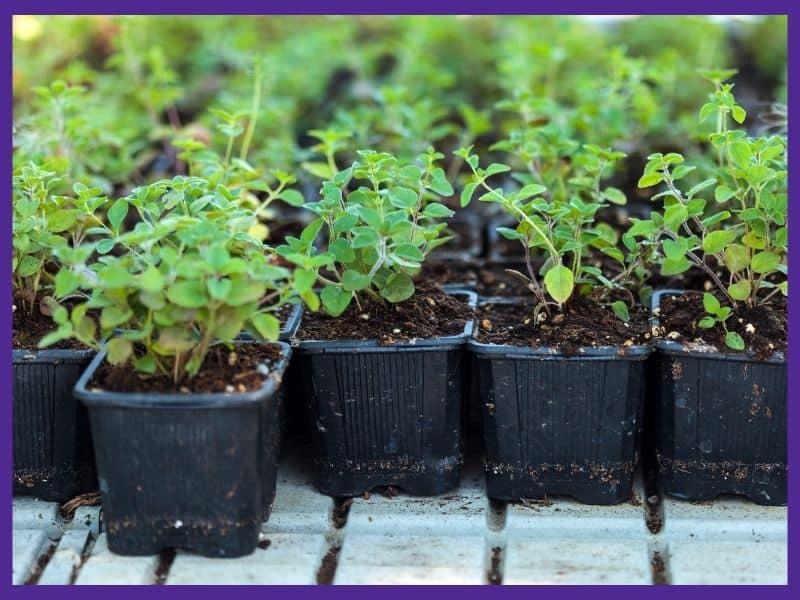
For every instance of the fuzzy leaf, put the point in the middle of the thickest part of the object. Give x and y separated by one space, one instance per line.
559 282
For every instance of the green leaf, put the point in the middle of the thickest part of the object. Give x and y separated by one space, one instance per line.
61 220
672 266
335 300
292 197
674 216
114 316
66 282
741 154
707 110
115 276
266 325
117 213
495 168
437 211
740 290
245 291
439 183
734 340
621 310
342 251
105 246
723 193
467 192
364 238
707 322
737 257
118 350
304 280
650 179
29 265
558 282
615 196
372 217
398 287
219 288
145 364
711 304
738 114
409 252
764 262
353 281
510 234
402 197
188 294
318 169
716 241
151 280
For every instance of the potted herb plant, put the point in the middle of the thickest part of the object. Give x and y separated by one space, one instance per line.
382 363
561 373
720 386
185 417
52 444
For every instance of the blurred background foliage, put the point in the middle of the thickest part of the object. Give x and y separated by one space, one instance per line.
139 90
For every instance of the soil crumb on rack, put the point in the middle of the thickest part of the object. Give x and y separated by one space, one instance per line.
583 323
430 313
237 371
763 328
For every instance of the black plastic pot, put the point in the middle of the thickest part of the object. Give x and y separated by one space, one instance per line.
467 242
385 415
192 471
721 422
497 247
53 458
559 425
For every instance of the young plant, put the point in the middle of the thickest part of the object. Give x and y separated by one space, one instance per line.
190 277
378 234
744 231
718 314
43 222
560 224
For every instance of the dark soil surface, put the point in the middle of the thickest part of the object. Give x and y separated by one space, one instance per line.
430 313
223 371
583 323
449 272
762 328
328 567
30 327
488 278
283 313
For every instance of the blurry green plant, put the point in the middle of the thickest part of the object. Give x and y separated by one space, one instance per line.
378 234
745 231
189 277
561 224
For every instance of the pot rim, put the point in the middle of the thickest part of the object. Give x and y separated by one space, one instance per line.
104 398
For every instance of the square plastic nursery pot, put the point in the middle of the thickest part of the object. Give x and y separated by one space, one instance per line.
721 422
558 425
467 242
385 415
191 471
52 443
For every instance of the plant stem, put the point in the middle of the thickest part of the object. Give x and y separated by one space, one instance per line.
251 124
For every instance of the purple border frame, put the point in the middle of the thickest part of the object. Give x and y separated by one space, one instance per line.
722 7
